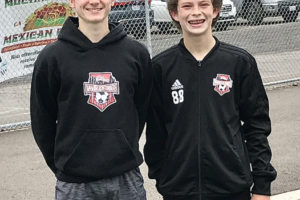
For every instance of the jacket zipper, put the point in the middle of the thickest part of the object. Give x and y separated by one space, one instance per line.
199 63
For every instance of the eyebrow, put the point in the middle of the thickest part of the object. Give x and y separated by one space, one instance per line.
201 1
205 1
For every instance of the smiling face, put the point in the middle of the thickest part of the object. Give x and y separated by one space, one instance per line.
195 16
92 11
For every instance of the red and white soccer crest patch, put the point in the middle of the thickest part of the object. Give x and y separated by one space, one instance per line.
222 84
101 89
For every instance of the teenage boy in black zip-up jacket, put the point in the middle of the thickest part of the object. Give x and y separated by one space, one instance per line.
89 98
208 117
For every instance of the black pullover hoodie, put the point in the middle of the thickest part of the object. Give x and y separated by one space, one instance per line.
88 103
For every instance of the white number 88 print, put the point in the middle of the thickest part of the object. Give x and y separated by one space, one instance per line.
177 96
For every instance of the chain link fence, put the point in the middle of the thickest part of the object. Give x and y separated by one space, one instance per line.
268 29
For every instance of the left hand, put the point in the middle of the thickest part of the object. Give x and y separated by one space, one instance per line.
260 197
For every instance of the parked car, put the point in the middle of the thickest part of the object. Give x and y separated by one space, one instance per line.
227 15
132 15
163 21
255 10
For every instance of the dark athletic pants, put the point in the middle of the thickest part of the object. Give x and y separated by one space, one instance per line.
128 186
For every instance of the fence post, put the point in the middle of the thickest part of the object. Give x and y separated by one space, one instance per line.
148 27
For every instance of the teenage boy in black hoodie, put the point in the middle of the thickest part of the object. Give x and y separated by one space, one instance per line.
209 115
89 98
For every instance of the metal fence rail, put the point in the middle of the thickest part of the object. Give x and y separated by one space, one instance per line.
269 32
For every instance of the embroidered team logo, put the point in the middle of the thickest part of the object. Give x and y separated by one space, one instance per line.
222 83
177 92
101 87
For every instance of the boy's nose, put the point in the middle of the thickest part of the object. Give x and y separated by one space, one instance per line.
196 10
94 1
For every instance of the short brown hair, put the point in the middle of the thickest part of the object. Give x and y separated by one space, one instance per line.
173 4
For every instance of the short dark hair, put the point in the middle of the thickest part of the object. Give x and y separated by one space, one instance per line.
173 4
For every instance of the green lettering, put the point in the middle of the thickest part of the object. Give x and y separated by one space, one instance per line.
20 2
22 36
40 34
33 35
7 39
15 38
48 33
17 2
8 3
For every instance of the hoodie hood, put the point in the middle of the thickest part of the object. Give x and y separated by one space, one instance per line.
71 34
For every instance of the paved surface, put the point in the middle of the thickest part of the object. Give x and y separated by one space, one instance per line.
25 176
274 44
270 37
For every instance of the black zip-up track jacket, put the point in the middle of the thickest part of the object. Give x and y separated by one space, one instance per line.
89 103
208 121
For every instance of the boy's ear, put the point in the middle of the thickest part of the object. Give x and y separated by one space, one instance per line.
174 15
216 12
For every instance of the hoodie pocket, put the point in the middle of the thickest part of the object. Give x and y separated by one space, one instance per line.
225 168
242 152
240 149
100 154
179 173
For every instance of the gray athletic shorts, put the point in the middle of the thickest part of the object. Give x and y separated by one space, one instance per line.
129 186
